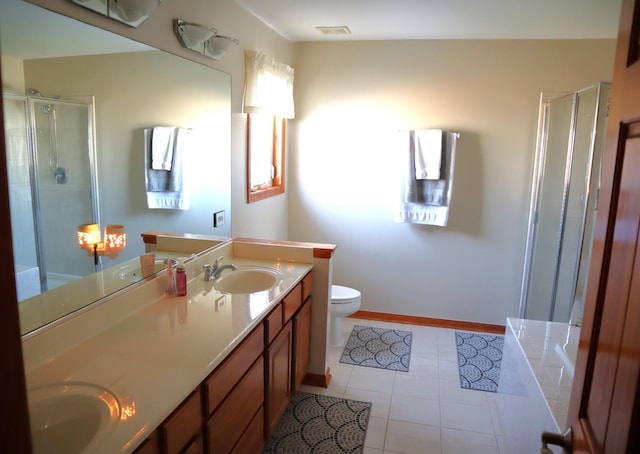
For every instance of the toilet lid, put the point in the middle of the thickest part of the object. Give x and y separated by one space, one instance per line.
343 295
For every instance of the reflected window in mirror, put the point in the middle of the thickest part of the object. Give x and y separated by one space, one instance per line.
266 145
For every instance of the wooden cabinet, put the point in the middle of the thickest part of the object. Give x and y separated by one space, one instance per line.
229 373
232 420
301 344
237 408
151 445
181 429
278 378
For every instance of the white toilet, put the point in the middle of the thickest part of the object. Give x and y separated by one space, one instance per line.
344 301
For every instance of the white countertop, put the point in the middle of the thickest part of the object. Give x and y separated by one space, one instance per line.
151 358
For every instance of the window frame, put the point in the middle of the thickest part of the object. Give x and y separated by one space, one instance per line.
278 148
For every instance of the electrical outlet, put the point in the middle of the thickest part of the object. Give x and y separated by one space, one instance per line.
218 218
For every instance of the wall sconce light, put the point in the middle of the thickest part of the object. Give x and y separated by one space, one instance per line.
115 240
130 12
203 39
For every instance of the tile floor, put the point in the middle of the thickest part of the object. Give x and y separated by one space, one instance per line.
421 411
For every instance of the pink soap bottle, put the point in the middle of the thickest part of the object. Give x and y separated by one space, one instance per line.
181 279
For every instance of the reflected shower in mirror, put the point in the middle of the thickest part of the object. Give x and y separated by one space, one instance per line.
123 87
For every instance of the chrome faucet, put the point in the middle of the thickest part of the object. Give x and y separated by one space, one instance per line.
212 272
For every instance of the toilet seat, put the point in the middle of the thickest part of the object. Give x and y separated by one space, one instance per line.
344 295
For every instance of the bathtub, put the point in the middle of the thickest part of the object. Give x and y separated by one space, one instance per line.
567 353
538 364
27 281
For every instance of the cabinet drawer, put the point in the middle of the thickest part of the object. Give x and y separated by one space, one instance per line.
273 323
230 420
307 283
292 302
183 424
222 381
252 441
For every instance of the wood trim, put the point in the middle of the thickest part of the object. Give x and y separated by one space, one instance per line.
320 250
278 158
426 321
318 380
152 236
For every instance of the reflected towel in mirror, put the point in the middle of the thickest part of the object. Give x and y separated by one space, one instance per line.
163 142
167 188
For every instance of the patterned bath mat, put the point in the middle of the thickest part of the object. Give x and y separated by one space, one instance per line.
479 358
378 347
321 425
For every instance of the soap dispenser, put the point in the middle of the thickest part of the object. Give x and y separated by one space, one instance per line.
181 279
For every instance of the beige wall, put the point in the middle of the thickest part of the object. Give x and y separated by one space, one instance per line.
352 97
12 75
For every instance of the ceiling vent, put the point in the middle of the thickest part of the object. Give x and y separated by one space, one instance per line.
335 30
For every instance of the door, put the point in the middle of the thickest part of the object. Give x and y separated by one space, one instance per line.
604 412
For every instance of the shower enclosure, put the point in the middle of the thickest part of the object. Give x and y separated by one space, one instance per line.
52 188
571 134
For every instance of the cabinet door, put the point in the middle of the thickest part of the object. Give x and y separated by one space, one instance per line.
301 344
278 379
183 425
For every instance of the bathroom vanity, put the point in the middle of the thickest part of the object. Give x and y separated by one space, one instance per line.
208 372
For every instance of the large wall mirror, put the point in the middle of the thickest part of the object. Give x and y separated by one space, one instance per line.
77 101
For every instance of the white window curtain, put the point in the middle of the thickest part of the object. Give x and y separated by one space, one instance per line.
268 85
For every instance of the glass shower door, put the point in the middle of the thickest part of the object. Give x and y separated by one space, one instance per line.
23 229
52 189
565 195
548 212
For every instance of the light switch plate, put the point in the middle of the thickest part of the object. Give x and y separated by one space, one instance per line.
218 218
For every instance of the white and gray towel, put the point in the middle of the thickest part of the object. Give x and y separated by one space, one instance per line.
167 189
425 201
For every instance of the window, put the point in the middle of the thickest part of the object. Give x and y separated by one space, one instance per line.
266 141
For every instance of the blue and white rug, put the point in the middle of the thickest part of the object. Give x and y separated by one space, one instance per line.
479 359
321 424
378 347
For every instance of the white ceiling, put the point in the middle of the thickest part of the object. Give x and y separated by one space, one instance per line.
297 20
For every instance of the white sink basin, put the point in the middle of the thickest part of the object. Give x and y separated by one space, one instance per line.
67 417
248 280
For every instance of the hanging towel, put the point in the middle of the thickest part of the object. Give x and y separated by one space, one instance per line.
163 142
167 189
428 152
425 201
